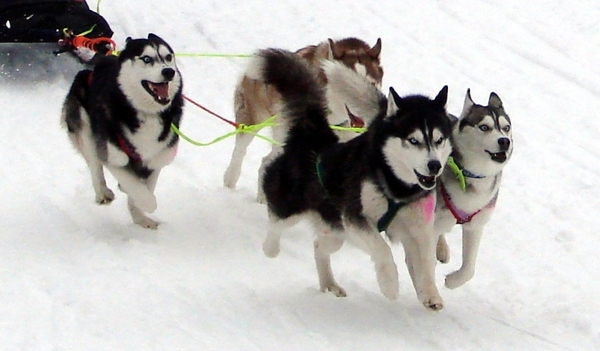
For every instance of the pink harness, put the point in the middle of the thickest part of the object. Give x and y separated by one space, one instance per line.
461 216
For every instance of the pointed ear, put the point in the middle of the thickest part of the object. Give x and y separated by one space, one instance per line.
128 40
495 101
330 49
453 119
393 102
333 48
467 104
375 51
442 97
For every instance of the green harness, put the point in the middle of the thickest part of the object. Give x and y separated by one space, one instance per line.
393 206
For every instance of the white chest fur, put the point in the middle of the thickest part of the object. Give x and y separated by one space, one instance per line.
145 138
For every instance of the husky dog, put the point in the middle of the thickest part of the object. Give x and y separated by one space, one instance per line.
255 101
482 145
119 116
351 190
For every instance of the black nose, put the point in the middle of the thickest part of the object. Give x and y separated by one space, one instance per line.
168 73
434 166
504 143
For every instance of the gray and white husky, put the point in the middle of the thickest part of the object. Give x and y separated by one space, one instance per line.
352 190
467 191
119 116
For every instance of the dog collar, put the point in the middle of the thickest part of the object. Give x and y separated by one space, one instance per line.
461 174
461 216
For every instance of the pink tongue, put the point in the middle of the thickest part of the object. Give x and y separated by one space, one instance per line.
161 90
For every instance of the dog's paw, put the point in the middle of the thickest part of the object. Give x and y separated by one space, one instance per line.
434 303
271 247
335 289
261 198
458 278
105 196
146 222
230 179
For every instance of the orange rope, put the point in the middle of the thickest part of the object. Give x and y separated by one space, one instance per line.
93 44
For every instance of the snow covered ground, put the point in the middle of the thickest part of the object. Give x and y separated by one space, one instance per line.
78 276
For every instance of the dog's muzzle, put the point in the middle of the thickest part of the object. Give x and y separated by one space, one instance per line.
501 156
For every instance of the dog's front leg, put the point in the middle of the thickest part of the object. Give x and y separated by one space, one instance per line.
422 257
138 215
387 273
471 237
137 190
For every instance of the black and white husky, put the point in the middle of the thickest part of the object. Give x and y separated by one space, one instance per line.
351 190
119 116
468 189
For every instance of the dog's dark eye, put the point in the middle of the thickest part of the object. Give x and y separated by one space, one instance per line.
484 128
169 58
506 128
146 59
439 141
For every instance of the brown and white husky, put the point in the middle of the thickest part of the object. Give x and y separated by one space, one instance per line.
255 101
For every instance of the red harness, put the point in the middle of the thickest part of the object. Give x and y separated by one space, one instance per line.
461 216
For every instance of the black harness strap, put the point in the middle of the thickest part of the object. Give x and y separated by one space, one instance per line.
393 206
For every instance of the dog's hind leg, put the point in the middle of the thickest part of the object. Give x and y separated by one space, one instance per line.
471 237
271 245
327 243
232 174
85 146
260 194
385 268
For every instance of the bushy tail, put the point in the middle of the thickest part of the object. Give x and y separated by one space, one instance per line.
304 103
362 97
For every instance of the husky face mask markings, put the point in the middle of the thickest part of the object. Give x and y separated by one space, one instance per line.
417 157
482 141
486 134
119 117
152 68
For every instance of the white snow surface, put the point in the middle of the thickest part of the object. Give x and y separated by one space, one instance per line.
78 276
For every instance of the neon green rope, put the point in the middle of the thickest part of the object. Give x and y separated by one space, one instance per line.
242 128
348 129
458 172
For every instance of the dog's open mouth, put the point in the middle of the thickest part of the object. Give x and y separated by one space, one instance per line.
159 91
427 182
499 157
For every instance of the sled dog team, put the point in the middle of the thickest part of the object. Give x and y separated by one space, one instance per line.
412 175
